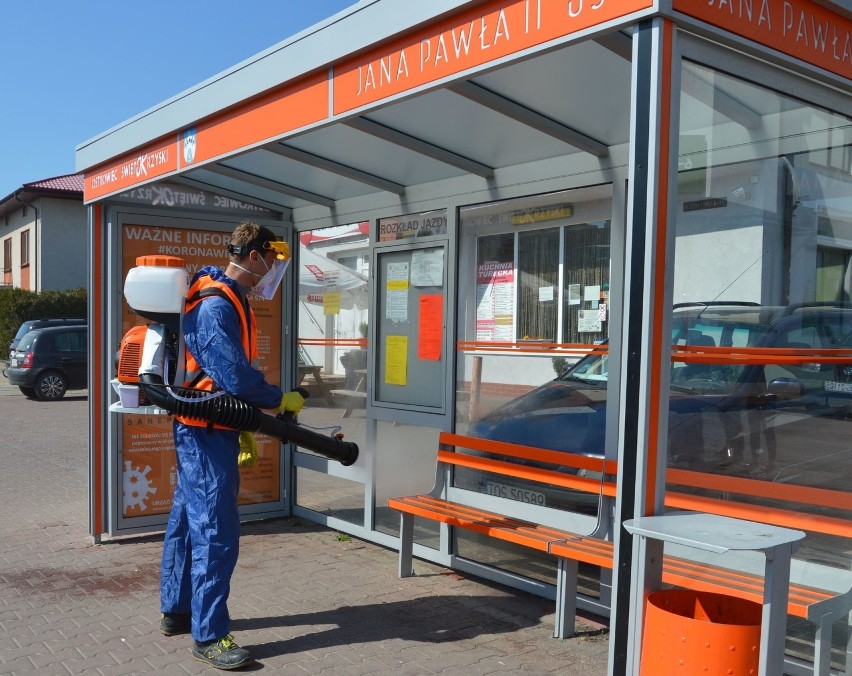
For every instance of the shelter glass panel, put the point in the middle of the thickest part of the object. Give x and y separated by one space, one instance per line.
761 387
534 278
333 270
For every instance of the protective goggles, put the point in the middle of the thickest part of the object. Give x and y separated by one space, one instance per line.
281 249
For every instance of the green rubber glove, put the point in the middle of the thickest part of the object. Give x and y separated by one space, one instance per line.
248 450
291 402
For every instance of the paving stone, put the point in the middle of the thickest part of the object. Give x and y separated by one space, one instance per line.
302 601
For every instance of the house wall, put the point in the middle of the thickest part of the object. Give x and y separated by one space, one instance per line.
62 245
58 244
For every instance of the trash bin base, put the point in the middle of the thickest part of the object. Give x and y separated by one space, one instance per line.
701 633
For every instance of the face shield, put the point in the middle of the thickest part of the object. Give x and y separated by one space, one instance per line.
269 283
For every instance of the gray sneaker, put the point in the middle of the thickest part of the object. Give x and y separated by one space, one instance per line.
222 653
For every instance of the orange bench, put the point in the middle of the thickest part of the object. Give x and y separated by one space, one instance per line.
464 504
527 523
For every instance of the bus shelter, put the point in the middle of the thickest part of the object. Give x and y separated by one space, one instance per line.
481 194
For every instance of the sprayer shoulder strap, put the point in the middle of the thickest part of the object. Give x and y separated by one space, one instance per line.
207 292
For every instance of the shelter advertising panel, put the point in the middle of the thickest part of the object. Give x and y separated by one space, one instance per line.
148 460
490 31
803 30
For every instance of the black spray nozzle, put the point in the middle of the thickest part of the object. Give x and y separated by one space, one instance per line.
230 412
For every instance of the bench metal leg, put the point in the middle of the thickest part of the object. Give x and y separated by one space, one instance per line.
566 598
822 648
406 544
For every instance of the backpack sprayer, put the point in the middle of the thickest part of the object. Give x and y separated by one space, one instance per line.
151 357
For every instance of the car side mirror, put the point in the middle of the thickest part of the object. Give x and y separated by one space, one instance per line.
786 388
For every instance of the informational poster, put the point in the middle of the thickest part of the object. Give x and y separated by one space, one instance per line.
495 301
396 361
396 293
427 267
147 452
431 333
331 292
589 321
574 294
592 292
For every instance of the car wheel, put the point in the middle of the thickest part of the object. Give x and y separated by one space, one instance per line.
28 392
50 385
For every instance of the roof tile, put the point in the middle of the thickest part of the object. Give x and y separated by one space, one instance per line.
69 182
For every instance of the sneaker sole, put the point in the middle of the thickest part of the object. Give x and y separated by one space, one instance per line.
224 667
174 633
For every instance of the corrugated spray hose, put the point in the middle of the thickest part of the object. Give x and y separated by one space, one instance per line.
230 412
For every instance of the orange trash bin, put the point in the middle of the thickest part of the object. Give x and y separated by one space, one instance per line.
688 632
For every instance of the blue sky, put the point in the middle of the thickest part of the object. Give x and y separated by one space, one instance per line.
70 70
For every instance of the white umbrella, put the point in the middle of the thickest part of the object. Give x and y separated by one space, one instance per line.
318 274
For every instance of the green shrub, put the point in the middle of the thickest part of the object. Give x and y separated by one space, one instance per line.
559 364
18 306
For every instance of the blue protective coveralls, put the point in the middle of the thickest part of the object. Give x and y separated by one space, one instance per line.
202 536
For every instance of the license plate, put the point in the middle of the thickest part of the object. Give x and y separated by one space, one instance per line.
834 386
13 362
513 493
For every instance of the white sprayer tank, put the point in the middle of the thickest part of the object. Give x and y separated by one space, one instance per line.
157 284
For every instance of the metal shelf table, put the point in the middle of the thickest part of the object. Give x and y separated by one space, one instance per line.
720 534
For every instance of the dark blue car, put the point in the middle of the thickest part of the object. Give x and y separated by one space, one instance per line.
780 422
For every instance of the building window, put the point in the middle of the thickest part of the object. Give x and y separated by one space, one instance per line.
25 248
7 261
541 267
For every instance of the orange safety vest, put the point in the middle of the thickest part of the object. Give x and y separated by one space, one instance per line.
194 376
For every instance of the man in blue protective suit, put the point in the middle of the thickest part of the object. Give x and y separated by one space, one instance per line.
202 535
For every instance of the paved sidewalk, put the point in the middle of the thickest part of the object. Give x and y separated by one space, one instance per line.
304 599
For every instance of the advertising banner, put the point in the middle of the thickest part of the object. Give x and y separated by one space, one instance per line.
147 453
495 301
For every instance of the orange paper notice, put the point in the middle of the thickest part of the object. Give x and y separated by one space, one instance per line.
431 327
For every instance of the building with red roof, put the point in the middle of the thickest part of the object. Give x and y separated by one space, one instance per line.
43 231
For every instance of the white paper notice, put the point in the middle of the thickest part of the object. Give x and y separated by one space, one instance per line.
427 267
396 293
545 293
592 293
573 294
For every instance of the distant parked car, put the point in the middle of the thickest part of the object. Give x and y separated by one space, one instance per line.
49 361
31 324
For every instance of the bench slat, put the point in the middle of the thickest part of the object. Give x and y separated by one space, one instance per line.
537 474
587 549
703 577
544 455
